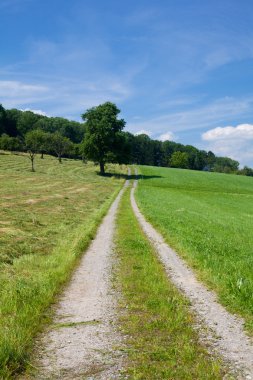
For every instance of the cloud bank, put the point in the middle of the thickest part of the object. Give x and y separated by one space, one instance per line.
38 112
235 142
242 132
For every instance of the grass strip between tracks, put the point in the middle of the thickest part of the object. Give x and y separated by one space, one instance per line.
162 344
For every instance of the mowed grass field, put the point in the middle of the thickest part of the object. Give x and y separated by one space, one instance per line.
47 219
208 219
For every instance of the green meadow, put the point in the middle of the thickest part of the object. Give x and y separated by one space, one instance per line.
47 219
208 219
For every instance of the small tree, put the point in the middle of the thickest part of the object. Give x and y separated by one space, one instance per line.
43 139
179 160
225 165
60 145
102 141
10 143
246 171
33 145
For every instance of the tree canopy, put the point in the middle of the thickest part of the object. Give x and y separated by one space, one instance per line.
60 145
103 137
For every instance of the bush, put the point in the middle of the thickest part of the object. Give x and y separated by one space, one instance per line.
11 143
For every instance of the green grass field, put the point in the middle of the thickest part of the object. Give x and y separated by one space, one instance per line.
162 343
208 219
47 219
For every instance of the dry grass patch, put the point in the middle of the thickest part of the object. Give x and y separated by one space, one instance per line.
45 229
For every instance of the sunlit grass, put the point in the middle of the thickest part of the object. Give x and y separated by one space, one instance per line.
208 219
161 343
47 219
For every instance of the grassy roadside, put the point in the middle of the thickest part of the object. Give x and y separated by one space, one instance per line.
30 281
162 342
207 218
32 286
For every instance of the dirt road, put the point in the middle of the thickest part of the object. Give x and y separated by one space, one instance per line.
225 331
82 343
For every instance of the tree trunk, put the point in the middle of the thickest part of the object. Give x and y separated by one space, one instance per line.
32 160
59 158
102 167
42 155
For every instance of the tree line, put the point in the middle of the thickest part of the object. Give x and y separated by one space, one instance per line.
101 139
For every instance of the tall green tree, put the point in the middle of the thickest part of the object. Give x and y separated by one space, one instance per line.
103 134
143 150
26 122
12 117
2 120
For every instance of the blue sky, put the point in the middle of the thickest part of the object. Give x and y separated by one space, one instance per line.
178 69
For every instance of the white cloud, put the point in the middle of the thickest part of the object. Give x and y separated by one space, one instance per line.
143 132
167 136
38 112
242 131
235 142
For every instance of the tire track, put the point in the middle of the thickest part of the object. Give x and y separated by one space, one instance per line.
82 343
225 331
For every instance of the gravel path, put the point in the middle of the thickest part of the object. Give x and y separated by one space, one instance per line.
82 343
225 331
